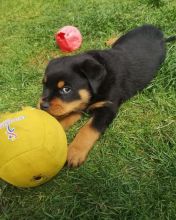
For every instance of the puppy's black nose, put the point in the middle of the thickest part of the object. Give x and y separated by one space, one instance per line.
44 105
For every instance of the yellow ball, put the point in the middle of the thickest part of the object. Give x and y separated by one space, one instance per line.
33 147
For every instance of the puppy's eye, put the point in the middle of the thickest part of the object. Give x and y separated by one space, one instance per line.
65 90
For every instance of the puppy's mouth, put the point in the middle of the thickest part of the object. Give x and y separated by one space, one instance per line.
60 109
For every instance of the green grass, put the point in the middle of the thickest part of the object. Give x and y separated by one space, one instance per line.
131 172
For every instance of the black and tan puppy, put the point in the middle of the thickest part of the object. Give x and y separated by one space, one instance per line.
100 81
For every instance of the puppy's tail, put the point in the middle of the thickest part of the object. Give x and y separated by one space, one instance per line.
169 39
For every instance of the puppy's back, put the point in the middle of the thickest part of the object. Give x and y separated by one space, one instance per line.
144 48
146 41
145 32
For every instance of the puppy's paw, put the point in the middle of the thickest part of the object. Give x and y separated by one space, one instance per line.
75 156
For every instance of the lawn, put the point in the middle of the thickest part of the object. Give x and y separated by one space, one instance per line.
131 172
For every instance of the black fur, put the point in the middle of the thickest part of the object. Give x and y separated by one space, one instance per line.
112 75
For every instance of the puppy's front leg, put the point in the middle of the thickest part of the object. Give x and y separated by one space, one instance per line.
88 135
82 144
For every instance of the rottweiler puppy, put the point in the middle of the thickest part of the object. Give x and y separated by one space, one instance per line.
99 81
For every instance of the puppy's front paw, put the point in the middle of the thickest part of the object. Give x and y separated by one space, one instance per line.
76 156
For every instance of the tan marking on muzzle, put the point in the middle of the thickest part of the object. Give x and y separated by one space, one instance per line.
58 107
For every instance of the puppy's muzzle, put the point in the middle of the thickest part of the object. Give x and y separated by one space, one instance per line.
44 106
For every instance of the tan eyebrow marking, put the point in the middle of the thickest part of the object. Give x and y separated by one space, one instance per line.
60 84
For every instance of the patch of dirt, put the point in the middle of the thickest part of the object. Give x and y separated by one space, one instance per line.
110 41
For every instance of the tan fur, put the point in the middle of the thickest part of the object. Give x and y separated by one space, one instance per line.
60 84
69 120
59 107
82 144
99 104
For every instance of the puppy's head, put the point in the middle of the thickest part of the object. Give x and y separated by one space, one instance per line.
69 83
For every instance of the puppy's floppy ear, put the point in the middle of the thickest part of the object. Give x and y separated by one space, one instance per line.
93 71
